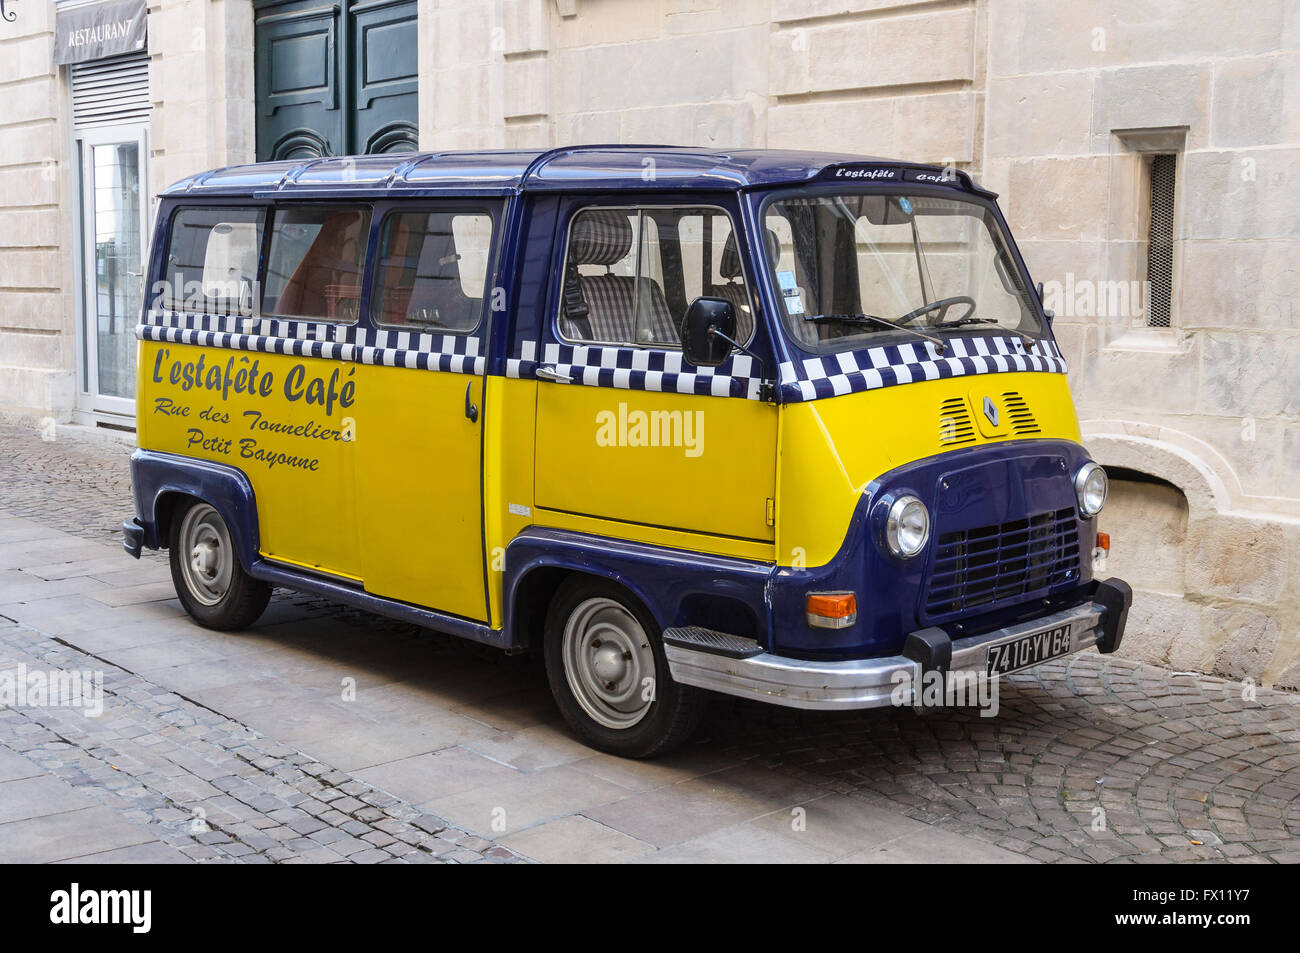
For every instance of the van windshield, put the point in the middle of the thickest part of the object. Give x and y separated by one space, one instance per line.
856 270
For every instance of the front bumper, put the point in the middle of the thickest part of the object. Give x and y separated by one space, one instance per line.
721 663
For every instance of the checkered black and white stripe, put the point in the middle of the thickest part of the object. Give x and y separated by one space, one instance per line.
870 368
450 353
524 363
638 369
811 379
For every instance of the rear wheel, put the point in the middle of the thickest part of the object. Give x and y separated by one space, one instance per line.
211 583
606 667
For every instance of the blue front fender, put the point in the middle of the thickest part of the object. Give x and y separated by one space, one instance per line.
676 586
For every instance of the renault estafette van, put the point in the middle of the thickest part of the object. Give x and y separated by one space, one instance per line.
788 426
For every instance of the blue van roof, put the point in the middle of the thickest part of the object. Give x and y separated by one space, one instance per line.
573 168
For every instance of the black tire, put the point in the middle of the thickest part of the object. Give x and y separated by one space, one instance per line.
675 710
235 599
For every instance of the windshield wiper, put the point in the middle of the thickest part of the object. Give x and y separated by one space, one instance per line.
1025 340
861 320
962 322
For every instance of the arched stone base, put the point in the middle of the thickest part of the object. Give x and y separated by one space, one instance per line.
1215 581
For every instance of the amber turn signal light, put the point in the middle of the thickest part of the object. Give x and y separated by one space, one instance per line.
832 610
1103 542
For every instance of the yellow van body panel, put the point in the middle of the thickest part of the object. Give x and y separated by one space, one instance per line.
508 450
658 536
302 472
384 490
830 449
686 463
541 446
419 510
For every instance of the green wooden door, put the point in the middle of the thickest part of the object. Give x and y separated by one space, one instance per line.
335 78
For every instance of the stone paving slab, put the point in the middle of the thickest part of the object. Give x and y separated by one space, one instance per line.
167 770
71 835
156 853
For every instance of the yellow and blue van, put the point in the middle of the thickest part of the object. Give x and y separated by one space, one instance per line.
783 425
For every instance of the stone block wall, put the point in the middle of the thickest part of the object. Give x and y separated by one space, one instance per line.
1077 93
36 330
201 87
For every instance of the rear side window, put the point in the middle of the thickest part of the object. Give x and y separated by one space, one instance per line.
315 263
212 261
432 271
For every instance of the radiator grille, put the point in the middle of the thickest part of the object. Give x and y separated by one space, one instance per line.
993 564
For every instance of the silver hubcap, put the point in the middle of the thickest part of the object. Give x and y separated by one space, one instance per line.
205 554
609 663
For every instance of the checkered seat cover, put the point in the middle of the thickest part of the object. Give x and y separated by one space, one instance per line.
605 238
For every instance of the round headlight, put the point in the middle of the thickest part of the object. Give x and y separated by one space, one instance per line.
1091 487
908 527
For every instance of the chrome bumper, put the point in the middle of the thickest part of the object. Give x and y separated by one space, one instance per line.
868 683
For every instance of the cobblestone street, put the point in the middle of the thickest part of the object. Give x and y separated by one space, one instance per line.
325 734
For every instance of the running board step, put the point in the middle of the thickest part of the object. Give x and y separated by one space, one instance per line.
712 642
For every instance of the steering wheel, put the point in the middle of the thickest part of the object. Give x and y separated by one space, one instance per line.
942 305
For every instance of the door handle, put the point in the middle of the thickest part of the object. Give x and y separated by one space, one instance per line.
551 374
471 411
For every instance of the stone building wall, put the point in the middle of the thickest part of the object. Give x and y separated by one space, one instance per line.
1210 404
201 89
201 86
37 338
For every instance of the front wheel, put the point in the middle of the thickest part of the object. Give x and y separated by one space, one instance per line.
212 585
606 667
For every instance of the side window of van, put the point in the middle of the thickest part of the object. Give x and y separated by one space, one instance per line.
630 273
607 294
212 258
711 265
432 271
315 263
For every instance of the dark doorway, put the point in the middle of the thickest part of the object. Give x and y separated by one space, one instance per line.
335 78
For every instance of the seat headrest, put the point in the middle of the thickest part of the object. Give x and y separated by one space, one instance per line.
729 263
601 237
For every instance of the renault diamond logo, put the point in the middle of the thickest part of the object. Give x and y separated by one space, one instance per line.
991 410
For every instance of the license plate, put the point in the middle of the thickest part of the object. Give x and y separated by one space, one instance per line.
1028 650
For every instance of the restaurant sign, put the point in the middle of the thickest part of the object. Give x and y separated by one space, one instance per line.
94 30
